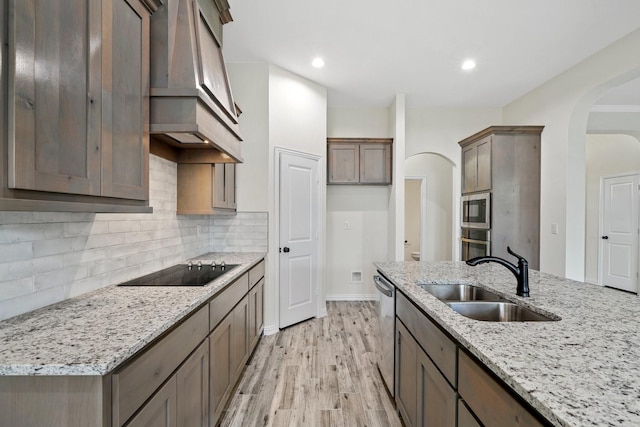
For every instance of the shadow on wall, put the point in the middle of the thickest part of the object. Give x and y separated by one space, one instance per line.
437 216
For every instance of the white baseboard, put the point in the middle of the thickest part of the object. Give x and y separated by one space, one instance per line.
271 330
352 297
592 280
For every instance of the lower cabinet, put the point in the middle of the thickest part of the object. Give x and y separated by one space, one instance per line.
491 403
256 322
183 379
229 350
184 399
406 367
193 389
436 398
424 397
160 411
439 384
465 418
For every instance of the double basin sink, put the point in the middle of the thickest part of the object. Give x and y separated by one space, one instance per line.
478 303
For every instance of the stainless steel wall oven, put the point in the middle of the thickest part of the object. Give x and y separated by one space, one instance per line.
475 242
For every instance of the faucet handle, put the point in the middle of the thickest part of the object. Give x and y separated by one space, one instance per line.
520 257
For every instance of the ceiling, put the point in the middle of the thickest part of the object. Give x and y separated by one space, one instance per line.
374 49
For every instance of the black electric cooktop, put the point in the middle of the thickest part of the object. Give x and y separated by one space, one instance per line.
182 275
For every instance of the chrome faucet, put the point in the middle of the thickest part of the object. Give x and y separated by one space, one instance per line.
521 271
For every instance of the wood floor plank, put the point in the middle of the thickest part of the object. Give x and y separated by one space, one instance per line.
352 410
322 372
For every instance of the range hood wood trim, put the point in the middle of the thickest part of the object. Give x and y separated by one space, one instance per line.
178 100
170 115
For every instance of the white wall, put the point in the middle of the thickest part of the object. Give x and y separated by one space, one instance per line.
49 257
439 210
606 155
355 249
280 109
397 114
562 105
364 207
250 83
369 122
438 130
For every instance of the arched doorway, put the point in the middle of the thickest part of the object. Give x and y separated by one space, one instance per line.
612 148
435 241
575 248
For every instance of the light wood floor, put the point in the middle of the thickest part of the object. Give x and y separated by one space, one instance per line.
321 372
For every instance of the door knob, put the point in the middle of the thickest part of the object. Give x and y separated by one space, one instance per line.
286 249
605 237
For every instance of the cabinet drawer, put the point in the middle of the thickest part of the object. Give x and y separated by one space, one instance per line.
492 404
436 344
256 273
224 302
134 383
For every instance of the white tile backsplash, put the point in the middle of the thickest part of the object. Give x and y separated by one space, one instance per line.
46 257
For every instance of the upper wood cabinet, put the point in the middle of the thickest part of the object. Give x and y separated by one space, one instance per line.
476 166
505 160
77 111
205 188
359 161
224 196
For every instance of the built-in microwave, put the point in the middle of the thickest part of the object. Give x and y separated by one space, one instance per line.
476 211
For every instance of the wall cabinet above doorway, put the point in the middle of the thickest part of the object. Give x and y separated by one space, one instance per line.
359 161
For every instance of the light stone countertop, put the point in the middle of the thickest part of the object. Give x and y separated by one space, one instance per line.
583 370
95 332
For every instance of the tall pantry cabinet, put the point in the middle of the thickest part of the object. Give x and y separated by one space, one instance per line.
505 161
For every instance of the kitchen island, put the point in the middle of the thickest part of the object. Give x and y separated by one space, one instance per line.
581 370
117 346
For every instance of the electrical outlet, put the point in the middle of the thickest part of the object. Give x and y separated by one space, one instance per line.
554 228
347 226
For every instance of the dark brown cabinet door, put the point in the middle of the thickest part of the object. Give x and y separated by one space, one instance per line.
78 97
406 384
193 389
125 111
256 302
228 349
436 398
220 378
55 96
224 187
344 164
160 410
375 163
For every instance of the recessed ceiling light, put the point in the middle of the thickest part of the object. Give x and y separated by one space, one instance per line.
318 63
469 64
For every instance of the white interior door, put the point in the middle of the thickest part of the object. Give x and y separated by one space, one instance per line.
619 239
299 234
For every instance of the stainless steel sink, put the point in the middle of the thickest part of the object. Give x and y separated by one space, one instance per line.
497 312
460 292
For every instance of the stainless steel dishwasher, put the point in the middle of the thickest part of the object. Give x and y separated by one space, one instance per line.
386 337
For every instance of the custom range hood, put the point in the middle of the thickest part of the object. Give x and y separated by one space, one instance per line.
191 105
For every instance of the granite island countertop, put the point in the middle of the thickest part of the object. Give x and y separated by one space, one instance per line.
95 332
582 370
